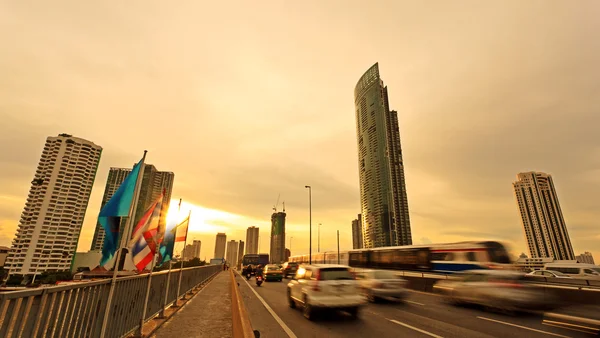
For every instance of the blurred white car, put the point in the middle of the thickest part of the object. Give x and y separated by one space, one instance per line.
548 274
378 284
325 286
501 289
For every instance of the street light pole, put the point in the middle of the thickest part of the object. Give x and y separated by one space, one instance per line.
338 238
310 223
319 239
291 244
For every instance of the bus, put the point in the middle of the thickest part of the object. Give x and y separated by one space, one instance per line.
255 259
443 258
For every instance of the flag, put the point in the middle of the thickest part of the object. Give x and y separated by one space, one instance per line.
144 243
175 233
117 207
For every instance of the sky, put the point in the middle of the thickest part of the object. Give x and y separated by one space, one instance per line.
248 101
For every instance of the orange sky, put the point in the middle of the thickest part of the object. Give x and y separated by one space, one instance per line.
247 100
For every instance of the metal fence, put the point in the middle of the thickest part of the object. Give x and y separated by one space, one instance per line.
78 310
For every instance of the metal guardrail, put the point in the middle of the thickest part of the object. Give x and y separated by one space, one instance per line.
242 328
78 310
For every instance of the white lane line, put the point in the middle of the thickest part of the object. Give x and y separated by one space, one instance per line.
568 328
523 327
410 301
414 328
279 321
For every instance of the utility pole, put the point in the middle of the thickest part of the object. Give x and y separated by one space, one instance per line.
338 237
310 223
319 239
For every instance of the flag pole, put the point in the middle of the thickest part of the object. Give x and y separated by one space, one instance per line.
144 310
124 240
162 311
184 246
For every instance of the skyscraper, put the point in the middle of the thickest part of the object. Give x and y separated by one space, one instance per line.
545 229
252 240
152 185
384 203
197 245
220 245
585 257
277 254
51 221
241 251
357 234
232 253
192 250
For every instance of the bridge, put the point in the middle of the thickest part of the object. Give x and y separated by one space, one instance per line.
210 302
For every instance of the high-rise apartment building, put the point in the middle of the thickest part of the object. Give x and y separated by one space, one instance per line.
585 257
196 246
232 253
357 233
277 254
252 240
51 221
545 229
152 185
383 198
220 245
241 251
192 250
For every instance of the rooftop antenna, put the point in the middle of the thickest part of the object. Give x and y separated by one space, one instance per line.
283 206
276 204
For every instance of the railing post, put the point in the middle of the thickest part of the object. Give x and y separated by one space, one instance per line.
164 304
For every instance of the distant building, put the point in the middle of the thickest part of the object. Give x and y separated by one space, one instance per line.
49 228
240 252
252 240
288 253
530 264
3 254
277 254
523 255
357 233
585 257
545 229
152 185
220 245
383 198
196 246
188 252
232 253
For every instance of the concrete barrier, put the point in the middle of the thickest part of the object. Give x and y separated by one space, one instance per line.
242 328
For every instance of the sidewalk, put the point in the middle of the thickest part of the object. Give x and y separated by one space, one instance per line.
208 314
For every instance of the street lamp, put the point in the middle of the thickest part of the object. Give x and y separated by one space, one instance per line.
319 239
310 223
291 244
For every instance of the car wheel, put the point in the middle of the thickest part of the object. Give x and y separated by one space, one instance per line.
353 312
308 311
291 302
371 298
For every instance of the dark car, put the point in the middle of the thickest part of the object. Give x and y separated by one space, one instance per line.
289 269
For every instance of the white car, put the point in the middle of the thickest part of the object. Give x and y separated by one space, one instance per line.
381 284
548 274
325 286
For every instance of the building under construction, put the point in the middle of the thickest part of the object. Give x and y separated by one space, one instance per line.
278 235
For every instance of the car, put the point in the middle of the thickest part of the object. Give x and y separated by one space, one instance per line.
548 274
377 284
325 286
273 272
499 289
289 269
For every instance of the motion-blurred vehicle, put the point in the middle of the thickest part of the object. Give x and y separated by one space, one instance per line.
576 270
377 284
259 280
289 269
499 289
548 274
325 286
273 272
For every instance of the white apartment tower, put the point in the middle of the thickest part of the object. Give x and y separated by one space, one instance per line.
545 229
252 240
51 221
220 245
232 253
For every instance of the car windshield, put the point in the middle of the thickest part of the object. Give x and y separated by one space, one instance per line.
596 269
271 268
385 275
558 273
335 274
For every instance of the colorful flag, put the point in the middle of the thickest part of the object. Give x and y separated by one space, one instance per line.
117 207
177 233
143 243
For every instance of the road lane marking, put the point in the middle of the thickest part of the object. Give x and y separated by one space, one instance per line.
285 328
414 328
410 301
570 324
569 328
523 327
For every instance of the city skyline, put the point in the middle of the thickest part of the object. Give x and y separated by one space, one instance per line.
495 94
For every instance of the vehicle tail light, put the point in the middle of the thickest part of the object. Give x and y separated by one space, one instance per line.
318 275
316 286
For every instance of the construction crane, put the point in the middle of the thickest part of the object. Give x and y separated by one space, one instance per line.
277 203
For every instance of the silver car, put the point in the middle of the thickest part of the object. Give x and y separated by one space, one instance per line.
378 284
500 289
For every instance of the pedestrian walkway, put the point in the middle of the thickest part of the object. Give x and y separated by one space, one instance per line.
208 314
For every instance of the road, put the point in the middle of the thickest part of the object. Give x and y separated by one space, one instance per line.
421 315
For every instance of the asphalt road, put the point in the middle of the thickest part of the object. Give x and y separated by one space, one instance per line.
421 315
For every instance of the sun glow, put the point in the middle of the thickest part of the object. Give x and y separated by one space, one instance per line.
202 220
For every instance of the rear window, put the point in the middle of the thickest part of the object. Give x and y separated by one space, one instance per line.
335 274
385 275
569 271
292 265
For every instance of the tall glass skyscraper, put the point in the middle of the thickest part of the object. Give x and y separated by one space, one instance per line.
384 205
